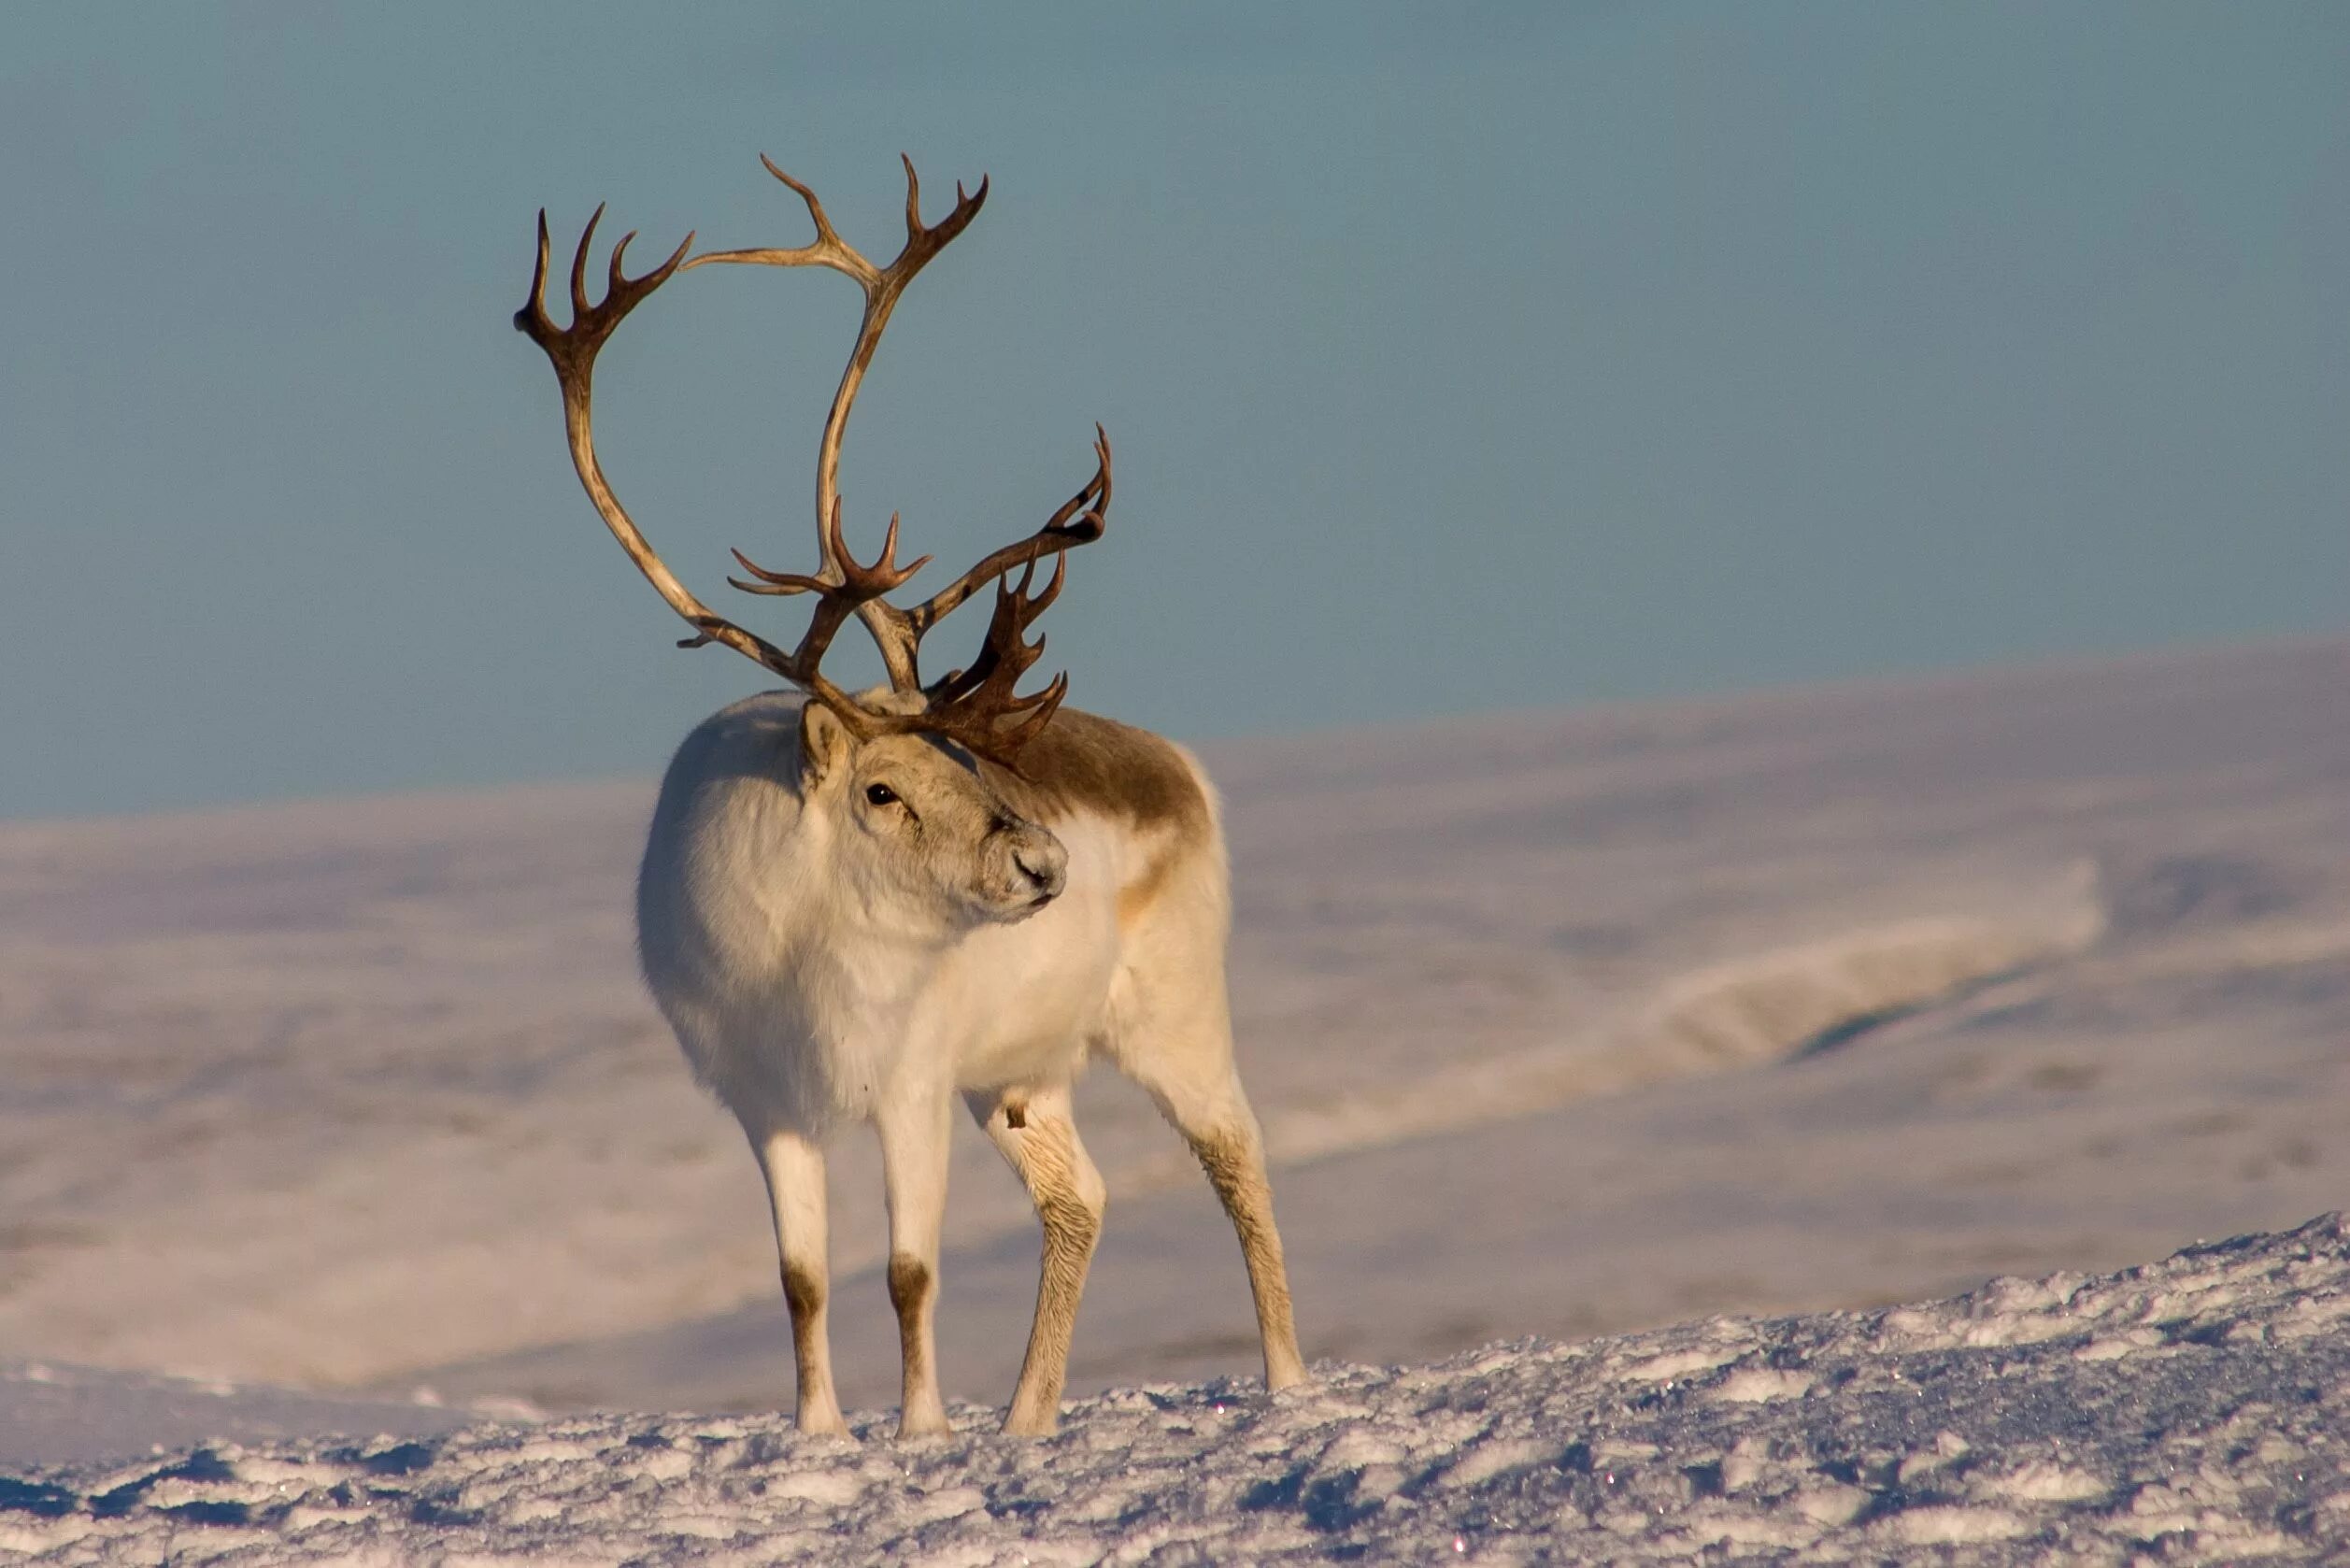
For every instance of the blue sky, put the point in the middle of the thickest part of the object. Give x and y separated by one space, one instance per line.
1458 357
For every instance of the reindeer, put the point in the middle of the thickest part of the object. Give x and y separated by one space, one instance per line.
853 908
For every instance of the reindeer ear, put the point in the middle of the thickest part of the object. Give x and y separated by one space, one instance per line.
826 744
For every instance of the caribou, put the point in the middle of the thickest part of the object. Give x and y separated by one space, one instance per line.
854 907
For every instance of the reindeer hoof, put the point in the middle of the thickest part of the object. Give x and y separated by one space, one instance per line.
1030 1424
928 1424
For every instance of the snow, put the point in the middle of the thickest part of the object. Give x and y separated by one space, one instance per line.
52 1413
1999 1424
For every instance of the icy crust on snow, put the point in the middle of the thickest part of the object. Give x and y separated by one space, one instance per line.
2192 1410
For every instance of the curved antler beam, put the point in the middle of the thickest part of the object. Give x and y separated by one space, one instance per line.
881 287
980 708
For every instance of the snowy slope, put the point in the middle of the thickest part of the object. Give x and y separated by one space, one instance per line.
2178 1081
2195 1410
364 1095
54 1415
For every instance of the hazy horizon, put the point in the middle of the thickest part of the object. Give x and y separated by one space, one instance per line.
1501 357
2058 666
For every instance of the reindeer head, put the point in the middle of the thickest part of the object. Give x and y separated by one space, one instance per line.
979 707
914 833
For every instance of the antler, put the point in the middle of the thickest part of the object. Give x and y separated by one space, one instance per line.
899 632
969 706
572 351
975 701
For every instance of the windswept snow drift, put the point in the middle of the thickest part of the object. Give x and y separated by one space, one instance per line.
2195 1411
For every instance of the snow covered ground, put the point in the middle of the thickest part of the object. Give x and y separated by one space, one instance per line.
1559 1024
2195 1411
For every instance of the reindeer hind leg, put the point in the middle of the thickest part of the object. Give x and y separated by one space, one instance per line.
1190 1075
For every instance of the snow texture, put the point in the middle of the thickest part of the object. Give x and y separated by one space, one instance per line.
2195 1410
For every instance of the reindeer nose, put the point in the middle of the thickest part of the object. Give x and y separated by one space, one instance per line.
1045 865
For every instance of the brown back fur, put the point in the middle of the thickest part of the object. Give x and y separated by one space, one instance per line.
1083 762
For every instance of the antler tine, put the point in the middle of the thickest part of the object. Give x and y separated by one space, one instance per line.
579 310
824 229
969 706
1064 531
924 242
828 249
914 199
858 583
615 279
987 735
573 348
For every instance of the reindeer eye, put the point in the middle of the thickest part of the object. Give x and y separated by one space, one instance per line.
880 794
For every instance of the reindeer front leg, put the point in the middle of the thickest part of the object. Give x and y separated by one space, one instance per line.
915 1125
795 1168
1036 1130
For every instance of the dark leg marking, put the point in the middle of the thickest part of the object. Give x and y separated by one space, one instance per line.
804 1293
909 1293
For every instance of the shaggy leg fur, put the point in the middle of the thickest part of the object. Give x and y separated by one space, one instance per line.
1231 1149
1196 1087
1037 1133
